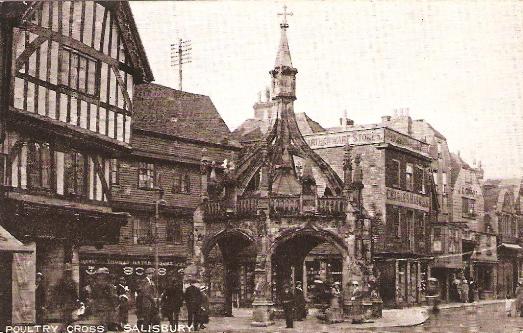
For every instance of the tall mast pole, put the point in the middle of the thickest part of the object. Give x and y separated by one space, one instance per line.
180 55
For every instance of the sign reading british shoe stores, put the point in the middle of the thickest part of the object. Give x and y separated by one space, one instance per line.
407 199
341 139
365 137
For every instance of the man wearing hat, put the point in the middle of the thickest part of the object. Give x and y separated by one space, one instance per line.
356 296
193 301
148 293
105 299
288 306
299 300
172 299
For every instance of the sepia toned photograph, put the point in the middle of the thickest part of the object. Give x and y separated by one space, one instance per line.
261 166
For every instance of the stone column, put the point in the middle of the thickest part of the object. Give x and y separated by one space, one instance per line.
262 304
304 278
408 283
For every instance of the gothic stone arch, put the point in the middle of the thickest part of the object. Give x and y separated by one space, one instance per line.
222 265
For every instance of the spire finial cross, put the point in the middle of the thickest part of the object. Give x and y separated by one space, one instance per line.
285 13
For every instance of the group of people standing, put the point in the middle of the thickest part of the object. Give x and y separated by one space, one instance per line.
107 301
195 298
464 290
151 306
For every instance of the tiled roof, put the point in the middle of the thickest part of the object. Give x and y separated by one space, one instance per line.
178 113
491 196
307 125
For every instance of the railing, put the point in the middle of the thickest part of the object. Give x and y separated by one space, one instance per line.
331 205
246 206
285 205
281 205
214 208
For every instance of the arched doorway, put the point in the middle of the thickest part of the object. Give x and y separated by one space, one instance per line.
302 255
229 260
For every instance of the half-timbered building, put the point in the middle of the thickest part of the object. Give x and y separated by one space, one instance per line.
68 74
160 183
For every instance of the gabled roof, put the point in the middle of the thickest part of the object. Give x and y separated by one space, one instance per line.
307 125
19 10
494 191
178 113
125 21
456 164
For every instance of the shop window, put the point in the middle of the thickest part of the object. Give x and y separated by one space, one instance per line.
409 177
115 171
174 232
146 175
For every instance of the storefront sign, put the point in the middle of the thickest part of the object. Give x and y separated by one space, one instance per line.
341 139
127 262
407 199
405 141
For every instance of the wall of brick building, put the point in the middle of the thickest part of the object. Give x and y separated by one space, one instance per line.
127 190
377 176
467 185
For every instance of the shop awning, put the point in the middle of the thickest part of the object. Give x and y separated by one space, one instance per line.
511 246
8 243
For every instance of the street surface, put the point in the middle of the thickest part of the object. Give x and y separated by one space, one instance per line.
450 320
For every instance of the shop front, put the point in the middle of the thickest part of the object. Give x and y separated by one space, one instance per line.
132 268
509 256
402 282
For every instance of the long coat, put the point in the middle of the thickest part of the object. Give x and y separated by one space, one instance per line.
105 301
67 298
146 303
299 301
172 299
193 298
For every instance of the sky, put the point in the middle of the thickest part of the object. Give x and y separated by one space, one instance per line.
456 64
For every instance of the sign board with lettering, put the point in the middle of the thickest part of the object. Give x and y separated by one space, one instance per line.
359 137
407 199
365 137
